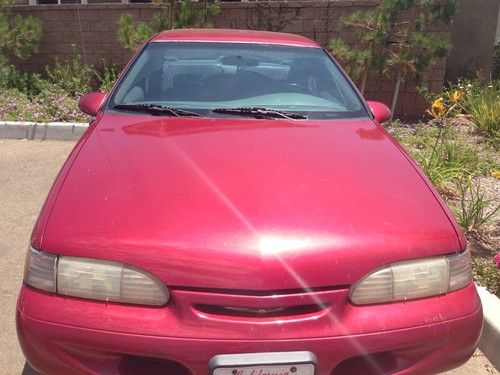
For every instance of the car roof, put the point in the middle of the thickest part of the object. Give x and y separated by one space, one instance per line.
233 36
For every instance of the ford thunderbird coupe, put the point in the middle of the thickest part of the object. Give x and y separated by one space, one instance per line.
236 208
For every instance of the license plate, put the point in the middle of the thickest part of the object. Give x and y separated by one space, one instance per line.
280 363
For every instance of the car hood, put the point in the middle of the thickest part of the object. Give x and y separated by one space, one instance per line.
243 203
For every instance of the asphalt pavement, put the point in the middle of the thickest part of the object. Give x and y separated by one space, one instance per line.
27 170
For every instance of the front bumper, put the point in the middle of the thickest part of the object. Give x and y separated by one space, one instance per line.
67 335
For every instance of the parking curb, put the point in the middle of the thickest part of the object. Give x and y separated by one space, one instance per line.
60 131
490 337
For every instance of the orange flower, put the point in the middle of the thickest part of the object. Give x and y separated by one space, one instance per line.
457 96
495 174
437 108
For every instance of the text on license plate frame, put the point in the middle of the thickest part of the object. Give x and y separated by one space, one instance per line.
277 363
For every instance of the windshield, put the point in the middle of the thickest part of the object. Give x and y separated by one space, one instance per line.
202 77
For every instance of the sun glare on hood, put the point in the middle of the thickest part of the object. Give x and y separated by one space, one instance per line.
269 245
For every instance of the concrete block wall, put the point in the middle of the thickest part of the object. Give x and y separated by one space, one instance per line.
92 28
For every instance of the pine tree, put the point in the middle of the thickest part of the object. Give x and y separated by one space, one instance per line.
370 32
410 49
19 36
398 48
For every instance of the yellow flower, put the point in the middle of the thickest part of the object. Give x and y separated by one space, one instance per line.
457 96
495 174
437 108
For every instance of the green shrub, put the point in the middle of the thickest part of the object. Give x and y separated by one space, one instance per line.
456 152
470 97
475 210
443 158
486 274
106 76
53 104
58 105
28 83
485 111
15 106
444 154
73 76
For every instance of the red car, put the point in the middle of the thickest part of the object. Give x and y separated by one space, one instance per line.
236 208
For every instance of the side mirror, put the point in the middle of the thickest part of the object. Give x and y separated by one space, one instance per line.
91 103
380 111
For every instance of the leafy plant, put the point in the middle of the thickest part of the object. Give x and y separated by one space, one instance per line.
73 76
57 105
476 98
15 106
52 104
485 112
444 155
475 208
447 158
440 165
28 83
106 76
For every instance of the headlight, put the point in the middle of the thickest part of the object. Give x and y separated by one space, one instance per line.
413 279
93 279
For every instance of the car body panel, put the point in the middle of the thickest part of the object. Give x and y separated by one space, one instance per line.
432 346
185 317
225 203
233 36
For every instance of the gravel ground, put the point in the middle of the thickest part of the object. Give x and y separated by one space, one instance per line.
27 170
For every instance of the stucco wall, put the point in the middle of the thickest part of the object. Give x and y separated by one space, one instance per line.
473 37
497 37
92 28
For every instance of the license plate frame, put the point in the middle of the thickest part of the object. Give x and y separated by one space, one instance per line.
293 363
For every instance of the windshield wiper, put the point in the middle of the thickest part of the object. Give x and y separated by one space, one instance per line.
260 113
155 110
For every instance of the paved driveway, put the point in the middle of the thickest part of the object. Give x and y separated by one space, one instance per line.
27 169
